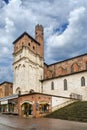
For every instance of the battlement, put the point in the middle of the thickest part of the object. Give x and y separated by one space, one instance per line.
39 27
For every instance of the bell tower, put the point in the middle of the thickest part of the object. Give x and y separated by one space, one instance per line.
28 62
39 37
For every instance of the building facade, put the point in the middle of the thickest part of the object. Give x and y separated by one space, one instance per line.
39 88
9 104
6 89
67 77
34 105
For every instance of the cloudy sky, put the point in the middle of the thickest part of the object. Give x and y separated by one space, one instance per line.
65 29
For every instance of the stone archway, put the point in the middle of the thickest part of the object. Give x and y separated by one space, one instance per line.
27 109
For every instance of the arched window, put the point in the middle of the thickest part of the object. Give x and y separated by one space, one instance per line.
31 91
18 90
52 85
29 44
60 71
74 67
65 84
82 81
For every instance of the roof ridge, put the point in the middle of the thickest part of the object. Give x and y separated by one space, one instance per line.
25 33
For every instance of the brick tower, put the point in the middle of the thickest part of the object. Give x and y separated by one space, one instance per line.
39 36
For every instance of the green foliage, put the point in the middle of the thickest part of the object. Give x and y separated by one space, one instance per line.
76 111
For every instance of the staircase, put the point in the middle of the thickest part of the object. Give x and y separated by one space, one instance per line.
63 104
76 111
73 98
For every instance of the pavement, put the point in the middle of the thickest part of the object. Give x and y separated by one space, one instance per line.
3 127
9 122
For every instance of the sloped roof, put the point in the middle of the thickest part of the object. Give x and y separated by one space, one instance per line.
9 97
6 82
66 60
25 33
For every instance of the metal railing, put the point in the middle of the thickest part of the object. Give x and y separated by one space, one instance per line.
73 98
63 104
76 96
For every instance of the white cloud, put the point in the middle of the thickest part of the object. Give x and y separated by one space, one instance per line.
9 25
22 15
72 39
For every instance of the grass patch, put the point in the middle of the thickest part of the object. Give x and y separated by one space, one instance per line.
76 112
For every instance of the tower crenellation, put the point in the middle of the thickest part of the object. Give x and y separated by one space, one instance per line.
39 33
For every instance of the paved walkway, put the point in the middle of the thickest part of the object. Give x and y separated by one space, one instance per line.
18 123
3 127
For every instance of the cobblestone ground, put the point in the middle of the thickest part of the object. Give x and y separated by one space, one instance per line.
18 123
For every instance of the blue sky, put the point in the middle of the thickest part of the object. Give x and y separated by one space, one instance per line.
7 1
65 29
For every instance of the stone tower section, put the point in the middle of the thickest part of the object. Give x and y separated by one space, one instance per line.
39 37
28 62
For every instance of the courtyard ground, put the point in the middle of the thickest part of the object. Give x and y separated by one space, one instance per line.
19 123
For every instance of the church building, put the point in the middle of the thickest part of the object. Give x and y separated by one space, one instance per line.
39 88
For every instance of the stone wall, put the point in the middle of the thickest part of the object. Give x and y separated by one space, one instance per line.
28 71
73 85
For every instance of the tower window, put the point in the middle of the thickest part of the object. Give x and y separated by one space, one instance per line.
65 84
33 47
11 86
28 44
52 85
82 81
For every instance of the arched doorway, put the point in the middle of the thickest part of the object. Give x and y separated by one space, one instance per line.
26 109
44 107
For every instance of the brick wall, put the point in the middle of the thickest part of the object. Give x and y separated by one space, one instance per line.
6 89
70 66
25 41
34 99
39 37
36 45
